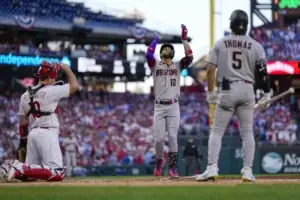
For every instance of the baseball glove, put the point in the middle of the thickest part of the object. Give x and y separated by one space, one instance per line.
22 150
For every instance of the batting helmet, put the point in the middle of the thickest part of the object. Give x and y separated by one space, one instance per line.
46 70
172 53
239 22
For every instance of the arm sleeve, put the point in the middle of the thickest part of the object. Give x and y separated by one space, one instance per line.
60 91
186 61
262 77
150 52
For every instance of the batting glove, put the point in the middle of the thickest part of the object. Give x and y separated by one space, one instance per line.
56 66
212 97
266 97
184 32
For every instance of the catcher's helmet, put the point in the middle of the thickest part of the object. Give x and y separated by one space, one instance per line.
46 70
172 53
239 22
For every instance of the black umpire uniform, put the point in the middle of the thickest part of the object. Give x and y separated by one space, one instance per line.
191 158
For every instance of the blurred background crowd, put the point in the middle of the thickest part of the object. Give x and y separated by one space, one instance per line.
116 128
279 43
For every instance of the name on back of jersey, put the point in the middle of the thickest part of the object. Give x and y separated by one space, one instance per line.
238 44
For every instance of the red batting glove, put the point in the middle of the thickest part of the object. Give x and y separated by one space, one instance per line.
184 32
56 66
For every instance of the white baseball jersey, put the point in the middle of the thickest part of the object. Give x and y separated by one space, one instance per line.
46 99
69 144
235 57
166 81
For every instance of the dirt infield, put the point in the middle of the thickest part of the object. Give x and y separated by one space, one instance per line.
138 182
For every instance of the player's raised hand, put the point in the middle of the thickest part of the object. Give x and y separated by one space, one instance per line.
157 36
56 66
46 64
184 32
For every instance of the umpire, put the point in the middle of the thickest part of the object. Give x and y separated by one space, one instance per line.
191 157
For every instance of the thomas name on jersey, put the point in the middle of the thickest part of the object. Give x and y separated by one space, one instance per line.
166 72
238 44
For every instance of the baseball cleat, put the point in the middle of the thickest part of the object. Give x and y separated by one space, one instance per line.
247 175
158 167
13 171
173 173
211 173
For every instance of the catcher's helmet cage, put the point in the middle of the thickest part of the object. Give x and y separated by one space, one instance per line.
239 22
172 53
46 71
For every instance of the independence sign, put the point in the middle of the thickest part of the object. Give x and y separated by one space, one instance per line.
30 60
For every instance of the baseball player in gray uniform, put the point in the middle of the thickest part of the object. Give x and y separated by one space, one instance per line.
70 145
238 59
166 77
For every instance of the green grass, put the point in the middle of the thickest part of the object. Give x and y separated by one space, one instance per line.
205 192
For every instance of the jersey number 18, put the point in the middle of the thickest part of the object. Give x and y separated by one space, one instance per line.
236 60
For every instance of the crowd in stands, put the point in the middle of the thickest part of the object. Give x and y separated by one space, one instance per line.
279 44
61 11
114 128
53 11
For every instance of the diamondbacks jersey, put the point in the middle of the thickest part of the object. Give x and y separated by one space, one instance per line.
235 57
166 81
45 99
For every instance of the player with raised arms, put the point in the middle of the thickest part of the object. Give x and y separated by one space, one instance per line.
166 77
39 127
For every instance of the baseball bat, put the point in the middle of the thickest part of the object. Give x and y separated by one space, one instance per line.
275 98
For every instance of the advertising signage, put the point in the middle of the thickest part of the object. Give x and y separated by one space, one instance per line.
19 60
280 160
283 67
289 4
111 67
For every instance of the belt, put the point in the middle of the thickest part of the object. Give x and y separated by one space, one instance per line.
236 81
43 127
166 102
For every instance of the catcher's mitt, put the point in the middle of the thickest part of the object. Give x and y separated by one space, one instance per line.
22 150
22 154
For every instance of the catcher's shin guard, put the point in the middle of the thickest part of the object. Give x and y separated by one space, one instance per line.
35 172
44 173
